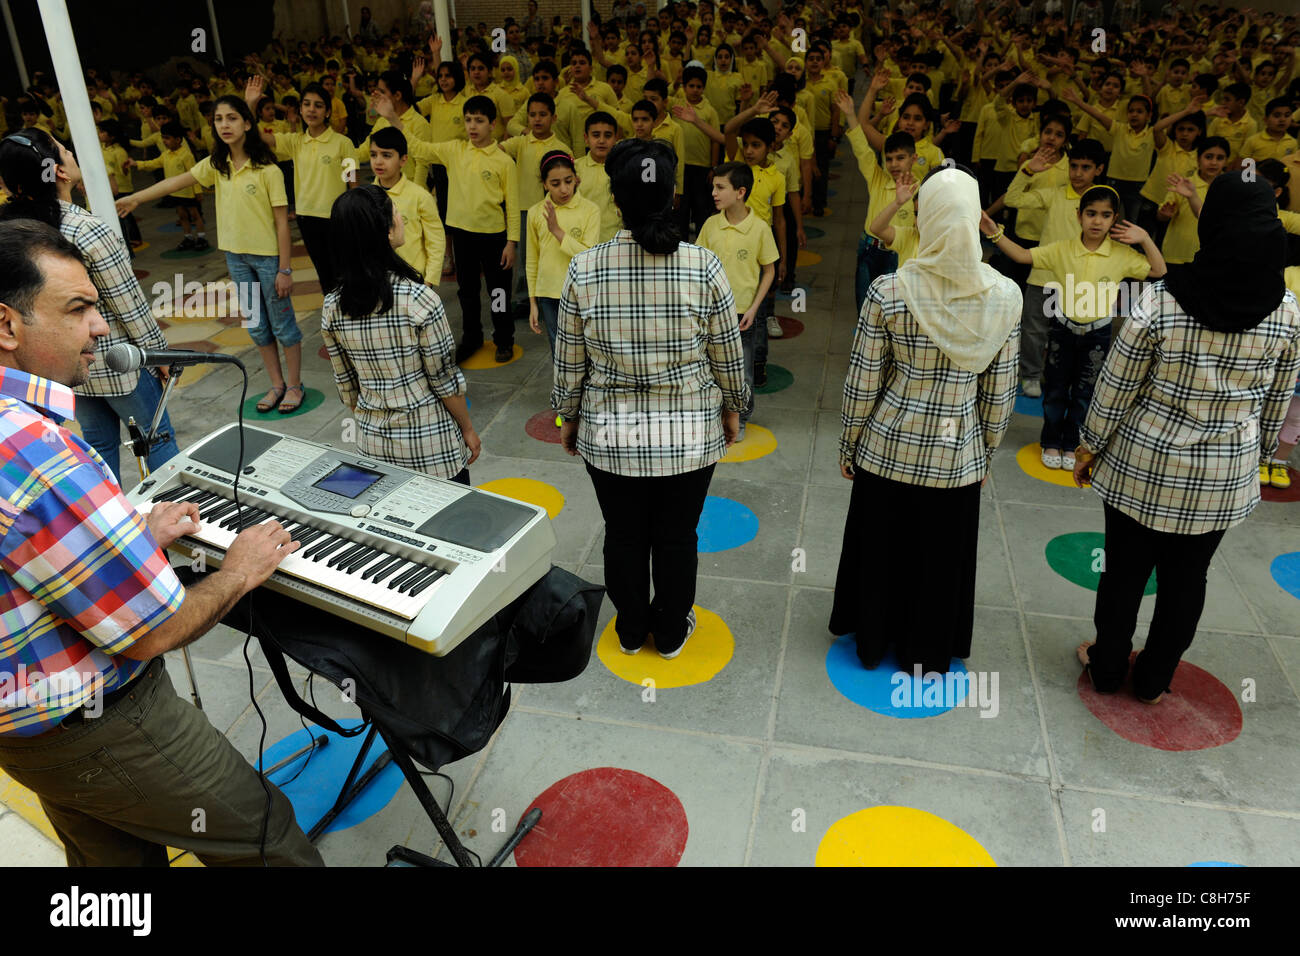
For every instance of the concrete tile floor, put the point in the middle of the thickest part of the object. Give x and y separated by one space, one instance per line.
769 735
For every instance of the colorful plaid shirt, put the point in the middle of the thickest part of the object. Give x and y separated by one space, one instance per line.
394 369
121 300
909 413
81 577
1183 415
647 356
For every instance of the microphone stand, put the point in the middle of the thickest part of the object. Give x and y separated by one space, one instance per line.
141 444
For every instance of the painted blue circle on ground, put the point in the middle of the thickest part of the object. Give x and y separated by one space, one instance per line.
1029 406
1215 863
725 524
314 790
1286 572
170 227
891 692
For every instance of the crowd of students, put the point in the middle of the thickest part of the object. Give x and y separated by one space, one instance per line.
1091 139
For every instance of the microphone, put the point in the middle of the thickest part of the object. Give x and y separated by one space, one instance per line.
125 357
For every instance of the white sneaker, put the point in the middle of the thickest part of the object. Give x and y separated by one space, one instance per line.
740 435
690 629
774 330
1067 460
1050 461
1031 388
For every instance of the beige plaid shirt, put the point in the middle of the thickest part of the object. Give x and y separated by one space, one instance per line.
1183 415
394 368
121 300
909 413
647 356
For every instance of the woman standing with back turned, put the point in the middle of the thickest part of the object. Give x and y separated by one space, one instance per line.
930 389
650 380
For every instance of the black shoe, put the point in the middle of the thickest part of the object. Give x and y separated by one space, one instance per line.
668 653
465 350
201 245
186 243
760 374
505 353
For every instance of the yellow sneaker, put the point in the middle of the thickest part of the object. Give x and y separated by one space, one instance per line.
1265 479
1278 476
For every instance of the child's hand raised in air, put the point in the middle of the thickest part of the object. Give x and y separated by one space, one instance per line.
1129 233
952 126
767 102
844 102
417 68
1044 158
905 188
253 89
685 112
1181 185
382 104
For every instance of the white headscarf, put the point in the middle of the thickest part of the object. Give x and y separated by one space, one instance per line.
966 307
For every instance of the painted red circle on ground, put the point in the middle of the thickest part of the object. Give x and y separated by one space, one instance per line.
324 353
1283 494
542 427
141 273
791 327
606 817
1198 712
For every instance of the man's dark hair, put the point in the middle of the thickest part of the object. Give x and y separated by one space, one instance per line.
22 242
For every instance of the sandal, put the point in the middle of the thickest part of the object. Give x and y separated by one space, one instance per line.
286 407
1052 461
271 399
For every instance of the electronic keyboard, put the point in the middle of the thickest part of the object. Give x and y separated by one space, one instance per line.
420 559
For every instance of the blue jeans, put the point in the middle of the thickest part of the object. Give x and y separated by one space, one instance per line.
548 312
260 271
101 421
1073 366
749 346
873 262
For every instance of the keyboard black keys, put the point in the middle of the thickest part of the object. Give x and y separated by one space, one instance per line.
405 576
400 565
437 573
388 562
413 581
347 554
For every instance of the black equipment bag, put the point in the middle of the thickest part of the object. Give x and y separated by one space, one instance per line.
440 708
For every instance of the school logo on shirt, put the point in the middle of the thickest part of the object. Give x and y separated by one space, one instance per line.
250 188
742 254
327 159
919 161
486 174
457 120
576 232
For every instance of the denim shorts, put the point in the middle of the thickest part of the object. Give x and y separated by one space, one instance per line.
255 276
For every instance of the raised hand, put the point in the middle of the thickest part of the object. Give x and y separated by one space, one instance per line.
382 104
417 68
1129 233
767 102
685 112
844 102
253 89
1181 185
905 188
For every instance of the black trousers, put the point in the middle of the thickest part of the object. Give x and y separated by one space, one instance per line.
1180 562
479 254
649 518
316 237
822 154
791 240
438 186
697 203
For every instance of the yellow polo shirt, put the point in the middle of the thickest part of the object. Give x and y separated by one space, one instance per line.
446 117
1261 146
1130 155
1089 278
424 241
527 152
318 169
698 146
172 162
906 239
114 158
671 133
479 181
769 191
245 200
1236 133
743 248
823 93
1030 219
593 184
787 162
880 185
415 128
1182 238
548 260
1170 158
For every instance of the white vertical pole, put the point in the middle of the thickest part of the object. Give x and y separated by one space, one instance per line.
586 22
81 122
13 43
347 21
442 18
216 34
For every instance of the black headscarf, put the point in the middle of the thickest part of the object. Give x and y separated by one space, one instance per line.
1235 280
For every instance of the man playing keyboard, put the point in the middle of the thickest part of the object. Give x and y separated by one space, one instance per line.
89 719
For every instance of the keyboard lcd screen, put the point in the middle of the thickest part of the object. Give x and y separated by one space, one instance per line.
348 481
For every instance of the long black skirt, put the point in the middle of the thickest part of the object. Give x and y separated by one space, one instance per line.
907 572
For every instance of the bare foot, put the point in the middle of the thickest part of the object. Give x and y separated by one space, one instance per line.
1082 652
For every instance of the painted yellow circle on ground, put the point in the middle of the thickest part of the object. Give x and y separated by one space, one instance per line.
307 301
899 836
1031 463
529 491
806 258
301 266
486 357
232 336
706 653
758 443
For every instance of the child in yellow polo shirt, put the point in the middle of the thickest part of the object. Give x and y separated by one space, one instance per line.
1231 120
1086 275
176 159
1182 205
253 229
559 227
900 239
324 167
748 253
1274 142
119 164
423 239
593 181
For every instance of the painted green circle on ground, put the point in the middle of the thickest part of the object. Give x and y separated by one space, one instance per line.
187 253
1080 557
778 379
812 232
312 399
